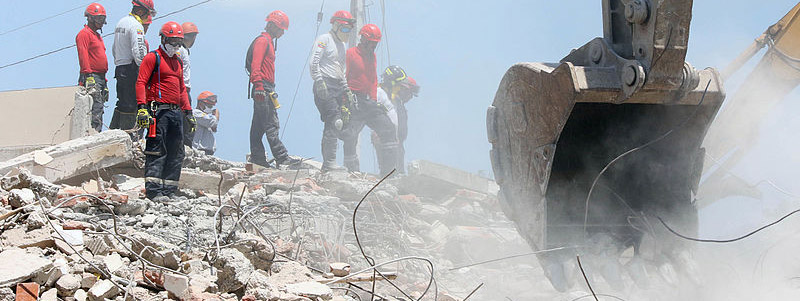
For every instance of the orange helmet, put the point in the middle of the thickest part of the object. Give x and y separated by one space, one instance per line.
207 97
279 18
371 32
95 9
189 27
171 30
343 17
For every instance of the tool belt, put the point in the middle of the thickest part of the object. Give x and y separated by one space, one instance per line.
158 106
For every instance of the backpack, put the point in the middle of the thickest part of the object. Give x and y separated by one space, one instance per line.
157 68
248 60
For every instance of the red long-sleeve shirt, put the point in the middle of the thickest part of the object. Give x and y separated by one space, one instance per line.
263 64
362 74
91 51
170 83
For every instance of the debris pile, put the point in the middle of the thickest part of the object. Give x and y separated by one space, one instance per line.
234 234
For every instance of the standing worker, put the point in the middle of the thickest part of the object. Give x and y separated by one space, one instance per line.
129 49
93 62
362 79
398 88
207 120
261 62
330 84
189 35
161 95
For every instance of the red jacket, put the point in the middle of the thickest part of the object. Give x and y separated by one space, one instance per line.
263 63
361 72
91 51
170 84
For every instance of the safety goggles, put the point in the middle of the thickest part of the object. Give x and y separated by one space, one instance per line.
175 41
98 19
210 100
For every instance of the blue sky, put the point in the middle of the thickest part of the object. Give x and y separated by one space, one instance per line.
457 50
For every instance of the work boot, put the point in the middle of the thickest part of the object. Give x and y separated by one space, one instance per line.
332 166
289 162
261 162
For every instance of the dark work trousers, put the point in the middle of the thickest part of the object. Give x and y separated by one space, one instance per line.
329 112
99 97
164 154
188 135
265 121
371 114
124 117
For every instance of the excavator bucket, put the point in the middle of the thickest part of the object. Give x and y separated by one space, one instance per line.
622 118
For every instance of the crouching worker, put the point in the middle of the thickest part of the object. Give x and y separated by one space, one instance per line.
160 96
207 119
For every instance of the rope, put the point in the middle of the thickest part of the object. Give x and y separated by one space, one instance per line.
45 19
300 80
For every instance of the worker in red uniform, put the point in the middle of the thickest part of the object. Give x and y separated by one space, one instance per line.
265 100
161 98
93 62
362 79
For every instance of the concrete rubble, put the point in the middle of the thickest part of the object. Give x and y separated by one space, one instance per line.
234 234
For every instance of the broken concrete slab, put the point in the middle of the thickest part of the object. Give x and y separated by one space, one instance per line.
426 176
126 183
18 237
19 178
50 295
16 265
76 157
310 289
206 181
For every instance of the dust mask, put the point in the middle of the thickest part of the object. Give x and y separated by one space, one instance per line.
170 50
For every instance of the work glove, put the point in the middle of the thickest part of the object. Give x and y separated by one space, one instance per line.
90 83
143 117
190 121
320 89
352 102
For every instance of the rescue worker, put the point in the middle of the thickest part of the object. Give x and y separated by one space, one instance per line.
265 100
327 68
189 35
93 62
161 95
207 120
129 49
398 88
362 79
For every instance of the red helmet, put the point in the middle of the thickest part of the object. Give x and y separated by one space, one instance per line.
207 97
189 27
371 32
279 18
411 84
148 4
171 30
95 9
343 17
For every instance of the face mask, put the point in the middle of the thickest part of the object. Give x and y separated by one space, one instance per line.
171 50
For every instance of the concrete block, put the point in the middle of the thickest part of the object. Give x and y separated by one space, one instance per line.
16 266
103 290
77 157
50 295
80 295
148 220
88 280
68 284
205 181
21 197
177 285
340 269
18 237
310 289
